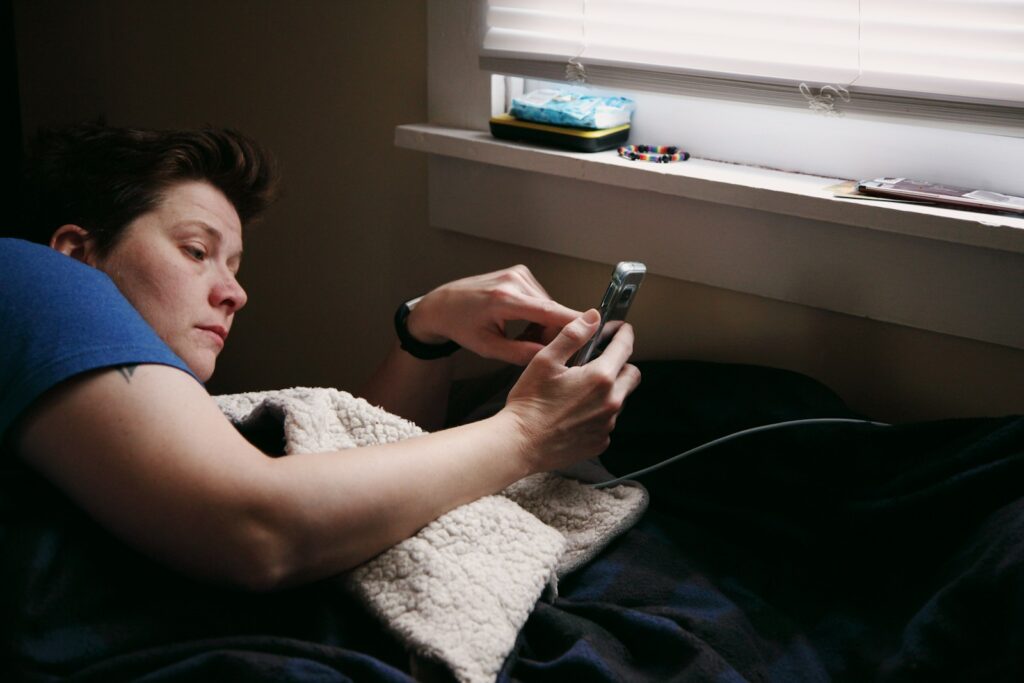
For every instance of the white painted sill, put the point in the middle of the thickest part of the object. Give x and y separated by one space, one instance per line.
769 233
779 192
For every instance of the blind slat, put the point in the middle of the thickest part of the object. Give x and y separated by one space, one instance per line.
960 49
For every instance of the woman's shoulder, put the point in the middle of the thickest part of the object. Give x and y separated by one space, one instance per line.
23 262
62 318
42 287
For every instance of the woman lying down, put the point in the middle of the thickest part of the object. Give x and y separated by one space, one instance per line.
144 538
115 309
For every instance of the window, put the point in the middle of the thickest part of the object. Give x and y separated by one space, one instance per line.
935 87
904 265
942 59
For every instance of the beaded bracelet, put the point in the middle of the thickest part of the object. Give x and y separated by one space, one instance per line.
660 155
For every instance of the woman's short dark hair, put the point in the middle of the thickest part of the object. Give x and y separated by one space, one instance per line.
101 178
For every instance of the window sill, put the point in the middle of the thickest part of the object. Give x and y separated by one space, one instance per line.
792 194
769 233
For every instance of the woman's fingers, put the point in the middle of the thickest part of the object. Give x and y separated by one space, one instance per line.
514 351
613 362
532 281
615 359
544 311
475 310
618 350
572 337
626 383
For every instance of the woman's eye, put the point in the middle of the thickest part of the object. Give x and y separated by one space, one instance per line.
196 253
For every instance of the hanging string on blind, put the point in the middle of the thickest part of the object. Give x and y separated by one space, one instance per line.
824 101
575 72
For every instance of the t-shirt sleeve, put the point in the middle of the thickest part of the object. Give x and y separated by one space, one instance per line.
60 318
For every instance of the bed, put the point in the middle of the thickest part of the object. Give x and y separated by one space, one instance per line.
827 553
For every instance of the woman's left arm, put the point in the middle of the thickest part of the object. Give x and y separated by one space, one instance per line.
413 388
473 312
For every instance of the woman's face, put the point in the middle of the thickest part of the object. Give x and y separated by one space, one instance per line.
178 266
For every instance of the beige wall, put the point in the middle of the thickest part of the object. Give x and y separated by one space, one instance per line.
323 83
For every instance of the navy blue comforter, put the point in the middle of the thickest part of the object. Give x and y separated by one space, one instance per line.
833 552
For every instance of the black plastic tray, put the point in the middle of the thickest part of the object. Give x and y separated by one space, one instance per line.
506 127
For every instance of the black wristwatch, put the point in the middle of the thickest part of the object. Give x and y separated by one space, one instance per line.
414 346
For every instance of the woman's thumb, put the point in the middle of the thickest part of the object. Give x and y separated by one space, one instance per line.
573 336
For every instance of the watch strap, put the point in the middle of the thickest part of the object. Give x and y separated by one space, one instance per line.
414 346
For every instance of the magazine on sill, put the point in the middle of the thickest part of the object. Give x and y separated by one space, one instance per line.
934 194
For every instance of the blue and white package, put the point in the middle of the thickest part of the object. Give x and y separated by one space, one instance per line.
565 108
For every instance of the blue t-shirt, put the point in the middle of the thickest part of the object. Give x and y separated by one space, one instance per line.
60 318
69 591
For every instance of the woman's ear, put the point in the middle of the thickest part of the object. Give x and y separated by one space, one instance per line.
73 241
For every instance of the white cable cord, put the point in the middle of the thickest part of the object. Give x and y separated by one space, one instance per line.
729 437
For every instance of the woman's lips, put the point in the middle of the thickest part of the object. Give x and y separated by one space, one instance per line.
215 332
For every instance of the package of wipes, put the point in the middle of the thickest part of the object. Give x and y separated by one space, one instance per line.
577 110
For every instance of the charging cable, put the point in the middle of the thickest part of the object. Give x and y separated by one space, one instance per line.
730 437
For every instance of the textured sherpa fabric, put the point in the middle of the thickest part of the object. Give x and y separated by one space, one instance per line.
587 518
458 591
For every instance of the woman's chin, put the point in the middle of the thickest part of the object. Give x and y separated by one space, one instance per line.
201 363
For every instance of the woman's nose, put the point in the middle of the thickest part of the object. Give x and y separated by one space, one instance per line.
228 293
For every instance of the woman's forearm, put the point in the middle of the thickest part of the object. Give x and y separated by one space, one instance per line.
415 389
332 511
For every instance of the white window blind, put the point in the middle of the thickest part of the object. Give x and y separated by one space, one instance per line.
971 49
956 56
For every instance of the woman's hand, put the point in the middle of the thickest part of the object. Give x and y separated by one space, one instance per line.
567 413
474 312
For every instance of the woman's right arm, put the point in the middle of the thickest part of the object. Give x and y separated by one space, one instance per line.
150 456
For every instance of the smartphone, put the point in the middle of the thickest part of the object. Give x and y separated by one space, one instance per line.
618 297
934 193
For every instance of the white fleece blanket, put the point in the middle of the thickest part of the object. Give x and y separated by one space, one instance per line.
458 591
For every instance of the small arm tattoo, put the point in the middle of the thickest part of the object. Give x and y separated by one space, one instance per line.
127 371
